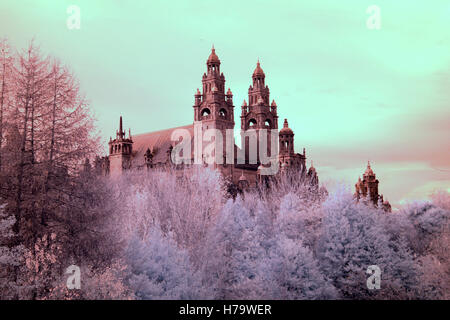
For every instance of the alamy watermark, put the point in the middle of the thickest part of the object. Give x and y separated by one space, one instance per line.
374 281
74 19
211 147
374 20
74 279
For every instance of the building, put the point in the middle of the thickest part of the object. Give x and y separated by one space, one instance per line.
214 109
367 189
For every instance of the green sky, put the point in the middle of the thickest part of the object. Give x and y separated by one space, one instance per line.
350 93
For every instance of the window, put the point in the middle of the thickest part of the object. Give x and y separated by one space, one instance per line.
267 123
223 113
252 123
205 112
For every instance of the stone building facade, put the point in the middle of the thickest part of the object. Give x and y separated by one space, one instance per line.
213 109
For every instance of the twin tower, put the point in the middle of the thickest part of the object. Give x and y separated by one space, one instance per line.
214 109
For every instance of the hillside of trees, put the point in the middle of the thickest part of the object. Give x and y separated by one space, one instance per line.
153 235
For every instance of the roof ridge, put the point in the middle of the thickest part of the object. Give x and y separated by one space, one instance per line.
162 130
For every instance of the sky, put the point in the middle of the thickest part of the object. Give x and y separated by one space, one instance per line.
351 93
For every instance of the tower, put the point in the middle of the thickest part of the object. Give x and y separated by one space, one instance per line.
258 114
313 177
286 138
287 157
120 150
368 188
213 108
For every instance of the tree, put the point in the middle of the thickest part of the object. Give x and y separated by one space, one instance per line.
6 88
68 141
181 203
11 258
235 270
297 274
158 269
31 76
352 238
426 228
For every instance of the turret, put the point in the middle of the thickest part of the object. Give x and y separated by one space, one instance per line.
286 138
213 108
259 114
368 188
312 176
120 150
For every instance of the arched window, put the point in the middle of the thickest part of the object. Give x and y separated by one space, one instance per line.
252 123
267 123
223 113
205 112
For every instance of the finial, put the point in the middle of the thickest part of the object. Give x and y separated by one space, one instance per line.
285 124
312 165
304 152
368 163
121 133
244 104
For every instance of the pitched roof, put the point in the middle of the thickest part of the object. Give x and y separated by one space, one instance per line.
159 142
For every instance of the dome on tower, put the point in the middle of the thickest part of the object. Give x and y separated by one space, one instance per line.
213 56
369 171
286 129
258 70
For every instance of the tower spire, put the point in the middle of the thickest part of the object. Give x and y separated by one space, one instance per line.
258 70
121 132
213 58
